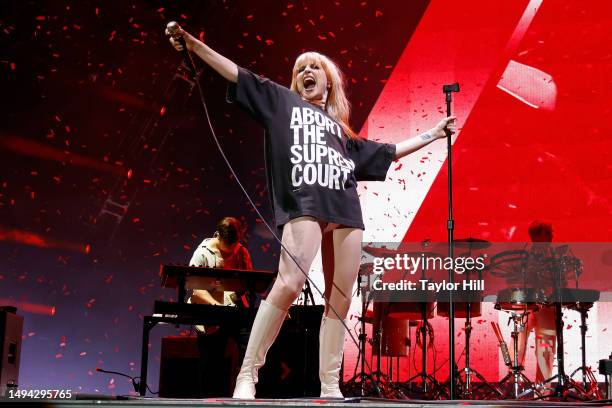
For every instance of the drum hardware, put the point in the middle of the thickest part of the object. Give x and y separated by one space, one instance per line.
384 252
589 382
515 375
387 388
367 384
564 383
430 387
472 243
468 309
468 370
416 309
605 368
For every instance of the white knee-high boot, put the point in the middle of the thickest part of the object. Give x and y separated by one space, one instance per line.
266 326
331 346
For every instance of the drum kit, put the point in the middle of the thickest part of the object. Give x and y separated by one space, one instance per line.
523 294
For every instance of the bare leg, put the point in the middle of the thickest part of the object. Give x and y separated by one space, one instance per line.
546 343
301 237
347 256
339 283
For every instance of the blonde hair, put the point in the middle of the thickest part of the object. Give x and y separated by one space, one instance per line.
337 105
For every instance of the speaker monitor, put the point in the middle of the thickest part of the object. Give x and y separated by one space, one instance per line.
11 328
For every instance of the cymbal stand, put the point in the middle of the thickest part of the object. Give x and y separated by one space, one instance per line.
467 392
362 378
516 375
589 382
430 386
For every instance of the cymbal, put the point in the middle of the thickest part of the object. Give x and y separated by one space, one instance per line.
474 243
383 252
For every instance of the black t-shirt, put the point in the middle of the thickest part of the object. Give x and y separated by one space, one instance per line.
313 168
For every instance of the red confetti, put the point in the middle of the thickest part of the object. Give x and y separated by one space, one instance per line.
41 18
378 13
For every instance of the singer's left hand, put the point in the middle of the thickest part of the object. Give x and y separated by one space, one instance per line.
439 131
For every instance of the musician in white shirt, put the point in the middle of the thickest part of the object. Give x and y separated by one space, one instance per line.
221 347
225 251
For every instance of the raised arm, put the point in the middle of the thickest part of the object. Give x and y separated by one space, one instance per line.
413 144
224 66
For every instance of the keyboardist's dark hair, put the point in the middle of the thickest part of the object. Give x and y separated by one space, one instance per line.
230 230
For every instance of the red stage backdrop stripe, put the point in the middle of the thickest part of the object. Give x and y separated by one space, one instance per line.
40 150
37 240
514 163
467 42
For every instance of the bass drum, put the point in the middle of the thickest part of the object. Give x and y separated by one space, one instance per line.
394 332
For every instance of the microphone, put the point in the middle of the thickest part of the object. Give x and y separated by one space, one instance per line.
173 30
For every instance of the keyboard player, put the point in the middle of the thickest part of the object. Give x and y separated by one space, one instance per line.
221 347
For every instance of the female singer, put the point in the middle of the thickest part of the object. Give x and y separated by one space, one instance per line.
314 160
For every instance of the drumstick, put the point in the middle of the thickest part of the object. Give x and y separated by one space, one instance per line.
502 344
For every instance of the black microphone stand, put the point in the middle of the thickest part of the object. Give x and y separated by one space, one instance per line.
450 225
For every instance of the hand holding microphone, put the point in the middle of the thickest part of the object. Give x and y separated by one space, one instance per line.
182 41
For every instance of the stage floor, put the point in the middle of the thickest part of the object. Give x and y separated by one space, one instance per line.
85 401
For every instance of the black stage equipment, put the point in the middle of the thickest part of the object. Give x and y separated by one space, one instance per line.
11 328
